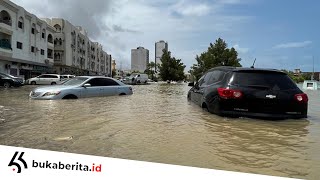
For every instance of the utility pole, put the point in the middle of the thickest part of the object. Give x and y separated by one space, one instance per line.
312 67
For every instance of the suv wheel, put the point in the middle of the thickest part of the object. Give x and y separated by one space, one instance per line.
53 83
33 83
6 85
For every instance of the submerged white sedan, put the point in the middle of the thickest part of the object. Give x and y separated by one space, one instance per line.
82 87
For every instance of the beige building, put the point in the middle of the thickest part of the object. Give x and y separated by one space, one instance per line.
139 59
26 42
75 53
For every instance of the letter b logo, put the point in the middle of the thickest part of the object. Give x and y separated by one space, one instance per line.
13 163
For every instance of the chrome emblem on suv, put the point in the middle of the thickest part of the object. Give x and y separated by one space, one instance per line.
271 96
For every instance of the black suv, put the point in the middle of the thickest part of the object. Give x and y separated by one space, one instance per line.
7 81
249 92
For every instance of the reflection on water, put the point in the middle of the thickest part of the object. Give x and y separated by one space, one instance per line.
158 124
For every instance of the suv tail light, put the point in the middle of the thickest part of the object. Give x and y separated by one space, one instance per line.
229 93
302 98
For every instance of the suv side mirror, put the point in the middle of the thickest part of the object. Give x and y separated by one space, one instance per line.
191 84
87 85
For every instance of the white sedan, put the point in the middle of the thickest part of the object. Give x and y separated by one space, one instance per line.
82 87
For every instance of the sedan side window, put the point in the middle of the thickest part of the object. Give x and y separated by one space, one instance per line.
108 82
94 82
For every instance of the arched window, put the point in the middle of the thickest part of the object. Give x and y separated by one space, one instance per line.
57 27
60 41
21 23
5 18
50 38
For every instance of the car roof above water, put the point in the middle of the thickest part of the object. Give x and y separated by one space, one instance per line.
238 69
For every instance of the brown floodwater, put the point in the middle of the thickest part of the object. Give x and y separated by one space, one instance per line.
158 124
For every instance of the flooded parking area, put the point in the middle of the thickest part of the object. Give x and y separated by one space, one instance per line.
158 124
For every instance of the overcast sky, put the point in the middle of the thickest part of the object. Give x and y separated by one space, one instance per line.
280 34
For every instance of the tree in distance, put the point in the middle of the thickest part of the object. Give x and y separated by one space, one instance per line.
218 54
171 69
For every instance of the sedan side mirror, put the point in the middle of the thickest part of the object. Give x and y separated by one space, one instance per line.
191 84
87 85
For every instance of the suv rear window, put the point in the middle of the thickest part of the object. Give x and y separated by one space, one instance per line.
263 80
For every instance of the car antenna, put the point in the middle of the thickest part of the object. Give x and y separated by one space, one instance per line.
253 63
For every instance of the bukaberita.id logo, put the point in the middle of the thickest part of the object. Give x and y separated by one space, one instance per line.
18 161
17 164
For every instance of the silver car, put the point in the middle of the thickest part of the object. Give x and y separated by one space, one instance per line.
45 79
82 87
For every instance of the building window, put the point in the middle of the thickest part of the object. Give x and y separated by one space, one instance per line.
57 27
32 30
50 53
43 35
50 38
32 48
42 52
19 45
20 23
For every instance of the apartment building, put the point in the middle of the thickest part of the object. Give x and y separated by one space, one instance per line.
26 42
75 53
159 47
139 59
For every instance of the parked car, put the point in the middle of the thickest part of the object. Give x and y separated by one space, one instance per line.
139 78
67 76
7 80
45 79
249 92
82 87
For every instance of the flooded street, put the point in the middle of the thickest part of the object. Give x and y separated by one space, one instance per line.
158 124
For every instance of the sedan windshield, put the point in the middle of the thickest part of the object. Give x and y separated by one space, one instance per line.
75 81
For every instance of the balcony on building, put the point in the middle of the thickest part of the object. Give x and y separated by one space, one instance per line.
5 34
58 44
5 45
5 21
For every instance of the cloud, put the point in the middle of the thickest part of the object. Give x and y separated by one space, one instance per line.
293 45
241 50
118 28
189 8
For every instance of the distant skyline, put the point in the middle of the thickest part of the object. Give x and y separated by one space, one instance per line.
280 34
